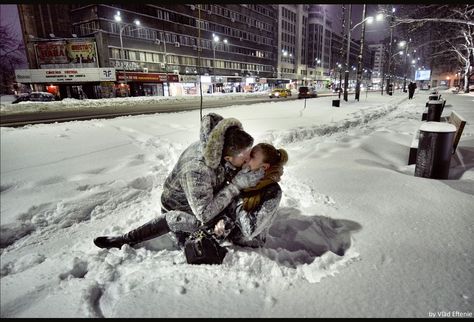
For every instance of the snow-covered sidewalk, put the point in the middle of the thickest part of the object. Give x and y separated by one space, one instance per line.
347 182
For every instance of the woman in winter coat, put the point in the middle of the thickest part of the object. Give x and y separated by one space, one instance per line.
254 210
202 184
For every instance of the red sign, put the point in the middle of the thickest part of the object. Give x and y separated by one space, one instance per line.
147 77
52 53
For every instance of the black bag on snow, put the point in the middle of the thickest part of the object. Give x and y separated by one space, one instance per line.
202 248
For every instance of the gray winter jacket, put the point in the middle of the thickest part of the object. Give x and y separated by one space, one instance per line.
252 226
197 189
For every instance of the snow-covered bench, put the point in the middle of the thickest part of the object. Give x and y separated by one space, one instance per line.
454 119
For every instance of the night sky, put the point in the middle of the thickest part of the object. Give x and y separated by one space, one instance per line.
373 32
9 15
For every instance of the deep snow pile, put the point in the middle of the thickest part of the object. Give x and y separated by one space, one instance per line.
408 240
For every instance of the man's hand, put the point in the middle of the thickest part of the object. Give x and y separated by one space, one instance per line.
246 178
219 228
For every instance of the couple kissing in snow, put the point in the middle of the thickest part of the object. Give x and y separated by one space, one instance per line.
221 182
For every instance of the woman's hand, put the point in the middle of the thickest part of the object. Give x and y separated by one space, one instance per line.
219 228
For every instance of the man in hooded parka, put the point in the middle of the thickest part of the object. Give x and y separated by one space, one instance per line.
202 184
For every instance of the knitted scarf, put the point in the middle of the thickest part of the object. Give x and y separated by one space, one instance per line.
252 196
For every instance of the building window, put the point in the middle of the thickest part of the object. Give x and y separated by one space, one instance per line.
115 53
149 57
131 55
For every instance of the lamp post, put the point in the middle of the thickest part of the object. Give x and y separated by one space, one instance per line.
346 73
369 19
405 44
392 18
359 64
158 41
215 41
285 54
122 26
317 61
340 81
388 75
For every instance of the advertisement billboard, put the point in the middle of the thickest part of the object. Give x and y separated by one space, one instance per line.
423 74
51 53
81 51
73 53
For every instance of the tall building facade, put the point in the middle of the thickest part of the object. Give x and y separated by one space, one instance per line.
292 42
226 47
378 60
98 50
320 38
227 43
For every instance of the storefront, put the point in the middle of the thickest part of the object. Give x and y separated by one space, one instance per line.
233 84
148 84
76 83
190 84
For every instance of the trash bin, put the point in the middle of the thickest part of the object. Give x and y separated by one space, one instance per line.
435 108
434 97
336 103
435 145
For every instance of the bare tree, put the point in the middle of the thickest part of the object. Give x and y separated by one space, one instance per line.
450 30
12 55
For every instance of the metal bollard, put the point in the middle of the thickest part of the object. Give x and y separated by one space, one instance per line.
435 145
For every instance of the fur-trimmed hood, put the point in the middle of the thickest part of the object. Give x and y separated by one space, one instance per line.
213 128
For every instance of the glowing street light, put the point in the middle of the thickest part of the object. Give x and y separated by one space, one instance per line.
122 26
369 19
215 41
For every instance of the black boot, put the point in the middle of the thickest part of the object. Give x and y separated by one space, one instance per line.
152 229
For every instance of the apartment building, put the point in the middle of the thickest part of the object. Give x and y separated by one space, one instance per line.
378 60
292 43
226 47
98 50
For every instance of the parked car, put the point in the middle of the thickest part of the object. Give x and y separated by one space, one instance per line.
21 98
307 92
279 92
35 97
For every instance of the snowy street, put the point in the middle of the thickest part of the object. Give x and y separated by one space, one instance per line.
347 181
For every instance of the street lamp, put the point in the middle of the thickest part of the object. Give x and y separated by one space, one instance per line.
368 19
215 41
405 44
122 26
285 54
392 18
158 41
317 62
